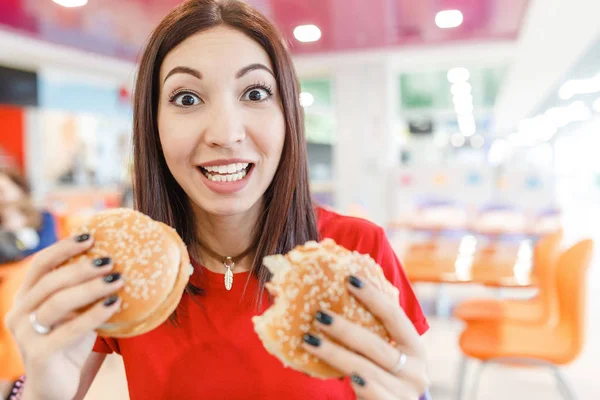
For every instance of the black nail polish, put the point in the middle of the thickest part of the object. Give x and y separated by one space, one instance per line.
312 340
324 318
357 283
111 300
101 262
82 238
358 380
112 277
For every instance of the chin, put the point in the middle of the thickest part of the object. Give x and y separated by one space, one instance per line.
224 207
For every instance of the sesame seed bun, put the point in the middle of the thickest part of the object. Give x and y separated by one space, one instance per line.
308 279
152 260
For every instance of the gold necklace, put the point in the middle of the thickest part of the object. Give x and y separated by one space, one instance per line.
228 262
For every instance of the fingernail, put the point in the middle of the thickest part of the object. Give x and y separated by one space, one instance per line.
110 300
101 262
82 238
357 283
324 318
112 277
312 340
358 380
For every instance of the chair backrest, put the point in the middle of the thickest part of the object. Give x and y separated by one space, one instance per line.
14 274
545 261
572 292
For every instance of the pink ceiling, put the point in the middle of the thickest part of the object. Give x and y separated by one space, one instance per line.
118 28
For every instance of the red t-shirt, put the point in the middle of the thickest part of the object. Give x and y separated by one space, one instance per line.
215 354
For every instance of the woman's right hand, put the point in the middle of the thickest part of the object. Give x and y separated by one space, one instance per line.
51 297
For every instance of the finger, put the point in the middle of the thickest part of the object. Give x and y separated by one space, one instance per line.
358 338
370 390
55 255
349 362
62 303
399 326
412 369
70 332
62 278
372 346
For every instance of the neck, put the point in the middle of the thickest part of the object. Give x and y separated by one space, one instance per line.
227 235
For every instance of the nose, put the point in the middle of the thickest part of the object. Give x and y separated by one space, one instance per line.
226 127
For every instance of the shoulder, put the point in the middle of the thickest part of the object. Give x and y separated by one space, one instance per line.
352 233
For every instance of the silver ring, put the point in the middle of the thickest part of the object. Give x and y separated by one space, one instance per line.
39 328
401 362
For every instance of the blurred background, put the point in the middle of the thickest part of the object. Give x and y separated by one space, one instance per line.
469 129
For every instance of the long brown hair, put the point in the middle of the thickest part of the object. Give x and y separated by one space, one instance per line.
288 218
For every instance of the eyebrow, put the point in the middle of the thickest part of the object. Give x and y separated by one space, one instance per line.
183 70
253 67
197 74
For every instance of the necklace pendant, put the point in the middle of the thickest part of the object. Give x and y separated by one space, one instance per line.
229 273
228 279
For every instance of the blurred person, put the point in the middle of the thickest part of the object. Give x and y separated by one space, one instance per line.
24 230
34 229
220 155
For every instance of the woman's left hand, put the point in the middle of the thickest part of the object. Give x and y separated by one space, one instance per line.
379 371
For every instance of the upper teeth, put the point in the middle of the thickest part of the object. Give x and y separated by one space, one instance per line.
227 169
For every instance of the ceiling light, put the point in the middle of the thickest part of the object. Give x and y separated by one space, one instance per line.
449 19
461 98
477 141
460 88
466 118
306 99
579 86
463 108
457 140
468 130
307 33
560 117
71 3
458 74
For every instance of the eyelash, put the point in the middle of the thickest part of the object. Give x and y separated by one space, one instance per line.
263 86
177 92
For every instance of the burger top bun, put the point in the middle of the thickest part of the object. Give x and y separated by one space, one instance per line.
152 260
308 279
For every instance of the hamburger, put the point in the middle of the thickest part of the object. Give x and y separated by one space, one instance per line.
152 260
310 278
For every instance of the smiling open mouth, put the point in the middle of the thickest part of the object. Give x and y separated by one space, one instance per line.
227 173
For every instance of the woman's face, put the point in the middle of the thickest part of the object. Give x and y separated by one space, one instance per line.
220 120
9 191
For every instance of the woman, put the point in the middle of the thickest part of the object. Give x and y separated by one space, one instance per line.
219 154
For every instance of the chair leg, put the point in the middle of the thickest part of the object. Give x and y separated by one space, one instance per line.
462 375
477 378
563 386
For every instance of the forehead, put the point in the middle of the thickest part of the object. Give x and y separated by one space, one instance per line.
221 50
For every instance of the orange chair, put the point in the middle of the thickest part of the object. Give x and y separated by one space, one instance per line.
546 344
12 276
542 307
